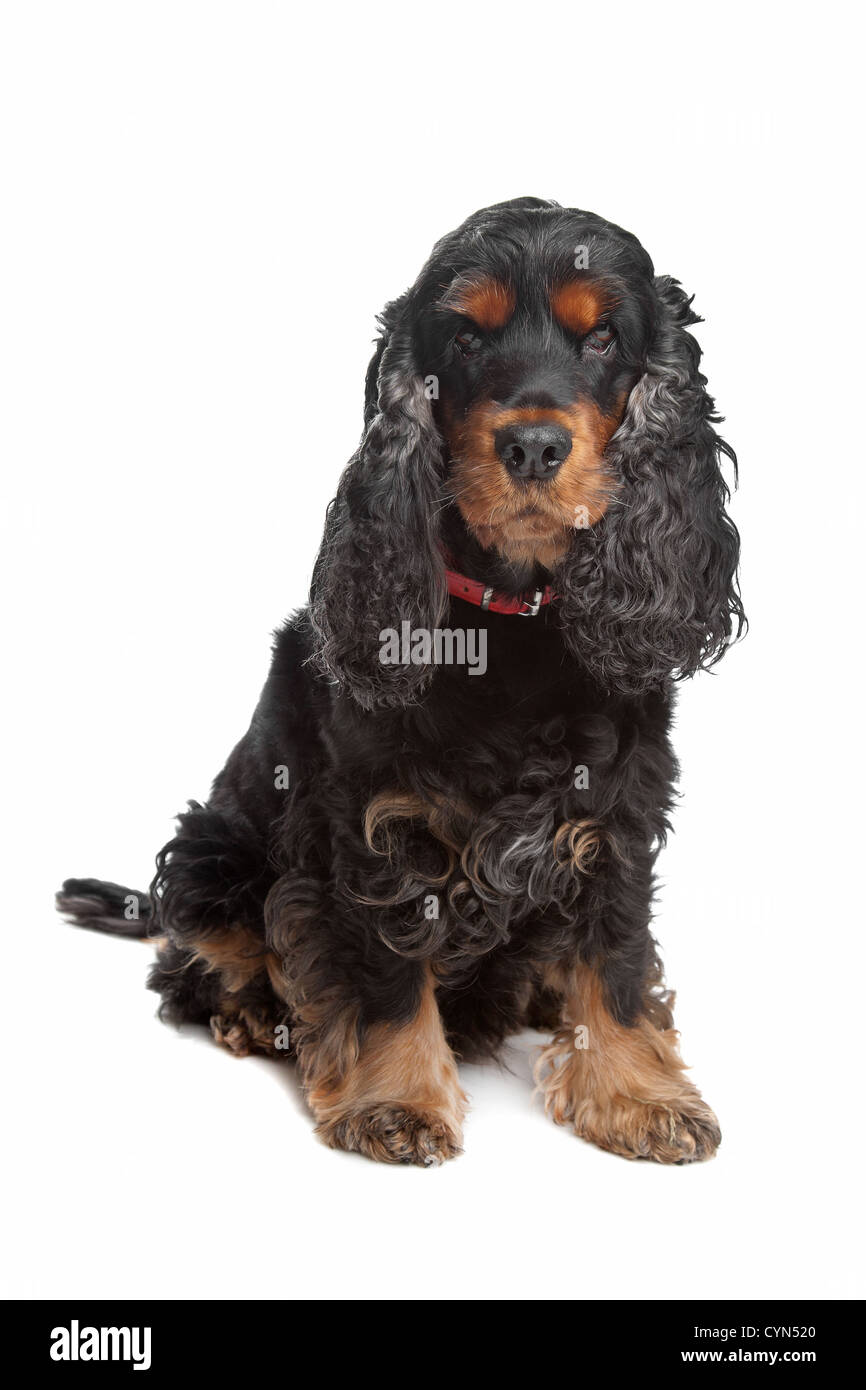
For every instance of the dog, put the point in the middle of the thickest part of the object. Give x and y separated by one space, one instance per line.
408 858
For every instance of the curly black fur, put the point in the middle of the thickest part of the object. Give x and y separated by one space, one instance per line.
468 862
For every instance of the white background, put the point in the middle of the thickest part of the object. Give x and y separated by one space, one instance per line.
204 207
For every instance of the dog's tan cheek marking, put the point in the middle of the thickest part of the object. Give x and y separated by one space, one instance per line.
584 487
624 1089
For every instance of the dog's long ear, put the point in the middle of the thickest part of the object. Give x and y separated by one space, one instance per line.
380 564
651 591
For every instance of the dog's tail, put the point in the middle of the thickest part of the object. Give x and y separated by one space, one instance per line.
88 902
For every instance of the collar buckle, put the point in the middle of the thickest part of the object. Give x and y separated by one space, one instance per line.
531 606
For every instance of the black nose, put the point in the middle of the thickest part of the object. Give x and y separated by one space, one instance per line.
533 451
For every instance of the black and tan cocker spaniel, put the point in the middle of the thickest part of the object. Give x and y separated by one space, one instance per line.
441 825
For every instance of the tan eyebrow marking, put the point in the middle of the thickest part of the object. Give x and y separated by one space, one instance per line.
579 304
488 302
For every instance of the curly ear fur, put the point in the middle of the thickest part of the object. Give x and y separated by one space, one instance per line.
651 591
380 563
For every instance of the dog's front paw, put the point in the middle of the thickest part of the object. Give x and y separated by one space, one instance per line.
678 1133
394 1134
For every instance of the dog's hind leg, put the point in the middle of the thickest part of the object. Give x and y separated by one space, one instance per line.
229 983
214 966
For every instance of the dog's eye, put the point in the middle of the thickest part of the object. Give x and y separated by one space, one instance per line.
467 343
601 337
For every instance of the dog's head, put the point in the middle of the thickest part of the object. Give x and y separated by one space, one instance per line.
535 400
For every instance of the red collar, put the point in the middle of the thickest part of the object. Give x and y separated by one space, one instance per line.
525 605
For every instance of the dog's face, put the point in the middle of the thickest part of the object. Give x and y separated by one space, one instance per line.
535 400
535 347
